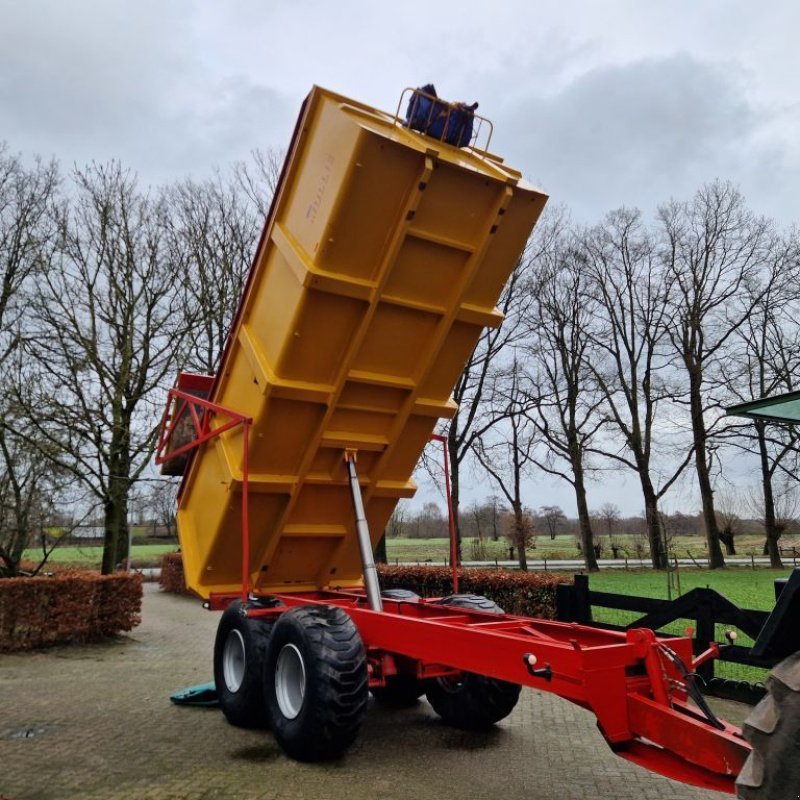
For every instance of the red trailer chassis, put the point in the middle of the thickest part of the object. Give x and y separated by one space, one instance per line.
638 685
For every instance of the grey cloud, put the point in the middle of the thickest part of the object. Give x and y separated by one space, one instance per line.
93 82
640 133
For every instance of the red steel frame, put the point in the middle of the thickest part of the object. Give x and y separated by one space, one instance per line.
629 680
200 411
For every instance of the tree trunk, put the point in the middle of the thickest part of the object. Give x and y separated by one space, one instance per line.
519 530
380 551
771 527
115 536
658 550
715 558
584 523
115 544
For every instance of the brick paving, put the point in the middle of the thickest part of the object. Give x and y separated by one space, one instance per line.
105 729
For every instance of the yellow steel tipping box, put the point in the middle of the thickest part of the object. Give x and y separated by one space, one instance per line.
380 263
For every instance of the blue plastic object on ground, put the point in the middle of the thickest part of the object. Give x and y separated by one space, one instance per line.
204 694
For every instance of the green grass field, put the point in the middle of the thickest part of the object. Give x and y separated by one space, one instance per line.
562 547
90 557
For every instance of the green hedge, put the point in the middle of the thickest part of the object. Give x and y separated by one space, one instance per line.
528 594
73 606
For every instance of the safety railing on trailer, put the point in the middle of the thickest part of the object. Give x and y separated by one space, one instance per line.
443 120
183 407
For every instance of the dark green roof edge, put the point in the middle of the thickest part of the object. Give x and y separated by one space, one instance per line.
753 408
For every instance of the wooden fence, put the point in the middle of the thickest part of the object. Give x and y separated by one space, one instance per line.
705 608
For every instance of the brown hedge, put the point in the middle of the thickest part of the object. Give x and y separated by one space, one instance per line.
172 578
73 606
529 594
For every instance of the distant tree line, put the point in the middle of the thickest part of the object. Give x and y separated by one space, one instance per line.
613 535
622 343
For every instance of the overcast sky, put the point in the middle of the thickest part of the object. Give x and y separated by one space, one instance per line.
600 103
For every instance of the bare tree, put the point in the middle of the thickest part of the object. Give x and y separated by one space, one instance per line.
108 325
727 507
27 480
397 522
506 451
631 357
259 177
213 235
712 248
160 502
475 416
565 404
26 228
552 517
763 360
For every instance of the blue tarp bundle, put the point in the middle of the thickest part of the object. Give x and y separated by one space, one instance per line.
450 122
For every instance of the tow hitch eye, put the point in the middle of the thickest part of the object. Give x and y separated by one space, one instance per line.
544 672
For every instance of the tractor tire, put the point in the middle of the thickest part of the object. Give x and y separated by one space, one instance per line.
472 702
315 682
772 770
239 652
401 594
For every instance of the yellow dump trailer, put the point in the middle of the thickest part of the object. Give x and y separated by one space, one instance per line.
380 264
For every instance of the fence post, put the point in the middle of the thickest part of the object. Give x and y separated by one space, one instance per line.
582 612
704 633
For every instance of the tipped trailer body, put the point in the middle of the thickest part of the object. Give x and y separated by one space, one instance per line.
381 262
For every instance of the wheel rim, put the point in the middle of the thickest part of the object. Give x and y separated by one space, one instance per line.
290 681
233 661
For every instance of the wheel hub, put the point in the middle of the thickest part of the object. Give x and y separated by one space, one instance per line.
290 681
233 661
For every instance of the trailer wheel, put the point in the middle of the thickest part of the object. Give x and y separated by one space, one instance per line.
401 691
315 682
239 652
472 702
401 594
772 770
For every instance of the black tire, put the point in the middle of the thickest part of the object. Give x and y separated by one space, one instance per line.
474 602
239 652
315 682
401 594
401 691
772 770
472 702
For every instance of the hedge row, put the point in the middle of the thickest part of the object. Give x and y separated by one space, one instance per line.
529 594
172 579
68 607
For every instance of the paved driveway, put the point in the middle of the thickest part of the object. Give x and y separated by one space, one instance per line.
103 727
